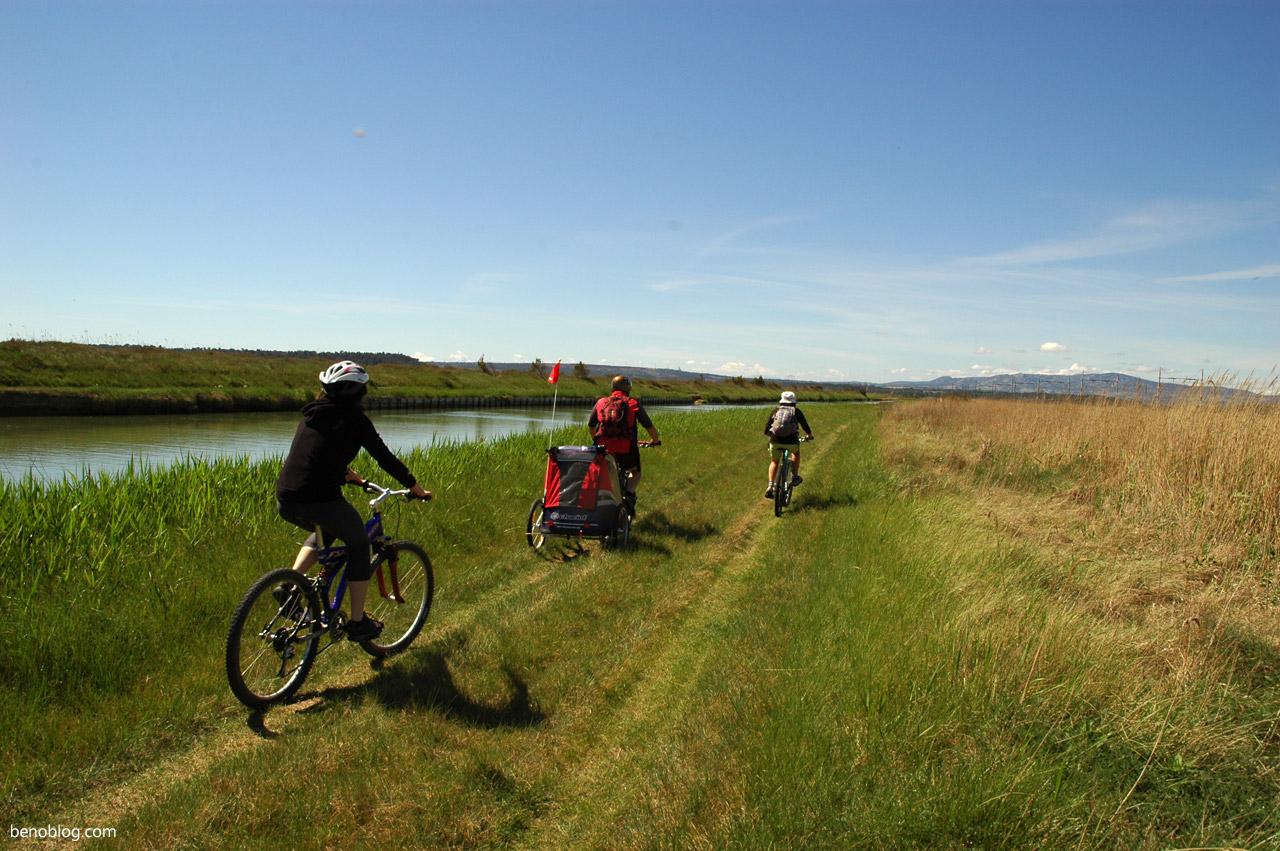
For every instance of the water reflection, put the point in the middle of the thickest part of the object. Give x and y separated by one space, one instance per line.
54 447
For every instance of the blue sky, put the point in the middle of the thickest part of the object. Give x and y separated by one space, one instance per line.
865 191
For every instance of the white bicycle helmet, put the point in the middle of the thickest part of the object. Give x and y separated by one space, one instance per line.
344 377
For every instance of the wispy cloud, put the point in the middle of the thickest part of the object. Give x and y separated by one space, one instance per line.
1142 229
721 280
1252 274
720 243
1053 347
488 283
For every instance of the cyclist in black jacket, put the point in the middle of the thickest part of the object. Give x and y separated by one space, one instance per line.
333 430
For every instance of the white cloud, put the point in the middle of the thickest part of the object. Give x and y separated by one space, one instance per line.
740 368
1053 347
982 350
900 371
1074 369
424 358
457 356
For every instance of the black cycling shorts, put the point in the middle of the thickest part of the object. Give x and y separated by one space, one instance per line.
337 519
629 460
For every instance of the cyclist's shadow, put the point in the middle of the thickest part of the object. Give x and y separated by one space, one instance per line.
659 525
421 679
821 502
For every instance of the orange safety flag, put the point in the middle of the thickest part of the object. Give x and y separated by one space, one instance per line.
555 374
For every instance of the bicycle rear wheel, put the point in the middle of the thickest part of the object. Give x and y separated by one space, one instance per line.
783 485
399 596
620 536
271 644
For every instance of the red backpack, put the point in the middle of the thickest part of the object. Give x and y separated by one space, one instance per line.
613 418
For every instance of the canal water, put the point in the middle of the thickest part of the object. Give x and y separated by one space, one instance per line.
51 448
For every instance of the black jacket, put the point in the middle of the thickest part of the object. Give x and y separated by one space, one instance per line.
331 434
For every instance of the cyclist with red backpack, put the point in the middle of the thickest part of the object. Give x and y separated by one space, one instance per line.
783 429
613 425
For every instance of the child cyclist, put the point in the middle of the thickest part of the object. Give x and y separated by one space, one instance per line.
783 429
333 430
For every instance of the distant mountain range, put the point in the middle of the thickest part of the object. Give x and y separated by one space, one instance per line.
1112 384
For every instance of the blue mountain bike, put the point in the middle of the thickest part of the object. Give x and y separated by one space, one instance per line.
286 617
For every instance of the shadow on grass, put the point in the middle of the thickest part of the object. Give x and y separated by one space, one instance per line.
423 681
561 549
1254 659
257 722
658 523
822 502
647 527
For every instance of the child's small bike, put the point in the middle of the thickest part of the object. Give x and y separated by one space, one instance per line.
782 481
284 619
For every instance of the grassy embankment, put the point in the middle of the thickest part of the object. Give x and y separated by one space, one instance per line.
72 378
956 637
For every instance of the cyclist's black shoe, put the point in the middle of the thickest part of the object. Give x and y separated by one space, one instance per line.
629 502
795 480
364 629
768 492
290 609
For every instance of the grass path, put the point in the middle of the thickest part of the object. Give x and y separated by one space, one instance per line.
604 787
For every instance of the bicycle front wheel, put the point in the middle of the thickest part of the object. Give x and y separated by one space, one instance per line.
271 644
399 596
782 486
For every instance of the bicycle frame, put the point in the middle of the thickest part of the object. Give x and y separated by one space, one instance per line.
332 562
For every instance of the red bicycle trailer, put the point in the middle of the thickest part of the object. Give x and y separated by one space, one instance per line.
582 499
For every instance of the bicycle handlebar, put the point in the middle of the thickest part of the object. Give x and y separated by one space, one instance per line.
649 444
382 493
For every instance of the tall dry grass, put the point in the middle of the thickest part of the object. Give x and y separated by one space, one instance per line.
1142 538
1201 476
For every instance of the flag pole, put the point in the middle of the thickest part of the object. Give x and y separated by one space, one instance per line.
554 379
